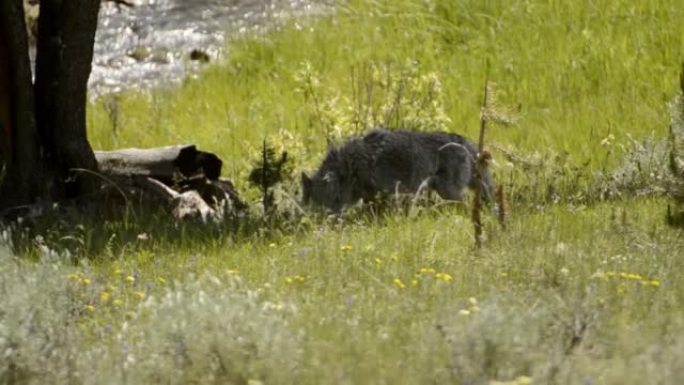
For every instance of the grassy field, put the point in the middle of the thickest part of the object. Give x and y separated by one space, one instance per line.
579 289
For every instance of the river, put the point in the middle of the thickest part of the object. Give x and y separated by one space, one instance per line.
151 44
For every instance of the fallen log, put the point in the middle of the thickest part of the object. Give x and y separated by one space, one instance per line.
161 163
178 179
185 179
186 205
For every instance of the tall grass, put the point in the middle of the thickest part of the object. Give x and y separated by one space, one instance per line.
590 295
580 70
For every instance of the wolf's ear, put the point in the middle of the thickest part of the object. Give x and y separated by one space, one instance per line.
306 187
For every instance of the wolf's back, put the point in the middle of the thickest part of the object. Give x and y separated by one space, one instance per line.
410 158
384 161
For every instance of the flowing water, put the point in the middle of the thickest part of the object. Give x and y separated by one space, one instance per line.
159 42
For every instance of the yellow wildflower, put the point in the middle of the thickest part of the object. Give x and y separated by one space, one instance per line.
129 279
139 294
425 270
90 308
378 261
394 257
631 276
654 283
104 296
73 277
345 248
161 280
272 245
608 140
85 281
117 302
414 282
398 283
444 277
288 280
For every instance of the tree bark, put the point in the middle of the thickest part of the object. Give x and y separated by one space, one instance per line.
23 175
66 36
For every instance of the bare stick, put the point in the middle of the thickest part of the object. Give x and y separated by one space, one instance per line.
479 169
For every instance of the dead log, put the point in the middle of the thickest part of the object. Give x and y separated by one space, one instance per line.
161 163
213 190
178 179
185 205
186 179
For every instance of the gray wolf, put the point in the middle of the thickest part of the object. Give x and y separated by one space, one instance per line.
387 162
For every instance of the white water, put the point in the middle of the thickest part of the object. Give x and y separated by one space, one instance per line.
149 44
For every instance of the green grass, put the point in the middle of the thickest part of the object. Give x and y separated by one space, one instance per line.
561 296
581 291
580 70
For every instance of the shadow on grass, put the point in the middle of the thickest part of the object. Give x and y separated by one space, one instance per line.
90 231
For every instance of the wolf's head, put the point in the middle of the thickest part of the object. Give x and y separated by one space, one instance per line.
323 190
329 187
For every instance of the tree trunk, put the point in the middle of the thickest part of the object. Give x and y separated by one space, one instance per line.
66 35
43 139
21 180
